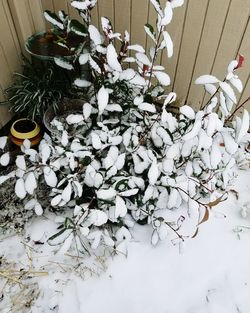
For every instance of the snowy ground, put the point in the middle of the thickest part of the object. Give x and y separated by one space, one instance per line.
208 274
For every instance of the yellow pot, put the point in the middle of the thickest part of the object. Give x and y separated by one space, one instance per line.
25 128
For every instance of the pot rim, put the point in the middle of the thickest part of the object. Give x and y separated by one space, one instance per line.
41 56
27 135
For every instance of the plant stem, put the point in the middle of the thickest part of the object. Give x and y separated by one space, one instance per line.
154 57
167 223
236 109
203 107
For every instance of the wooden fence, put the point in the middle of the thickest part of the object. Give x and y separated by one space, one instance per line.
207 34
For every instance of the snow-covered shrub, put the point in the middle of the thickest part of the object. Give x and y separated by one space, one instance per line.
127 159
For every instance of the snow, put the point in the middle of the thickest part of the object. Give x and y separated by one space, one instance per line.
50 176
102 99
153 173
206 79
177 3
187 111
209 273
30 183
242 130
3 141
96 142
112 58
83 58
5 159
64 64
137 48
169 43
20 189
142 58
82 83
87 110
237 83
144 106
228 90
150 32
106 194
67 191
52 20
120 207
74 119
98 217
168 14
95 36
162 77
20 162
80 5
157 7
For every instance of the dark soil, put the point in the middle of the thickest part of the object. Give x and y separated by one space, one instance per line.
24 126
46 45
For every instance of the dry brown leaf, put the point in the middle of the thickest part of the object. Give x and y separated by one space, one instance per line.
216 201
205 217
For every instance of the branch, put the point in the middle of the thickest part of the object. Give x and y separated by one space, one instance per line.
236 109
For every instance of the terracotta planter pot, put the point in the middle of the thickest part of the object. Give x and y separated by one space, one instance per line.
25 129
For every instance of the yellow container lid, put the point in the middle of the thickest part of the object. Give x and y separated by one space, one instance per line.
24 135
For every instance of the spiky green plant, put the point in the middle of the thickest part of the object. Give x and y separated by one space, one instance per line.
37 88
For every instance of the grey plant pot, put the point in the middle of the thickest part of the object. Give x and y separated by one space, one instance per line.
42 56
66 106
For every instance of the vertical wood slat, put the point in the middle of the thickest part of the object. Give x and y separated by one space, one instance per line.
48 5
139 14
73 13
213 28
205 37
196 13
9 56
5 80
27 17
232 38
106 8
60 5
122 17
176 30
95 17
244 72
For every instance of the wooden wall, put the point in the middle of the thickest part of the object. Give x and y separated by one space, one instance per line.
207 35
18 20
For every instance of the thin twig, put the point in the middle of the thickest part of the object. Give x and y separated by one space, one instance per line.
236 109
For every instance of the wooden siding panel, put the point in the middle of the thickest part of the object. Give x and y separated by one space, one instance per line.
213 28
36 10
196 13
232 37
139 16
176 30
207 35
106 8
5 80
23 20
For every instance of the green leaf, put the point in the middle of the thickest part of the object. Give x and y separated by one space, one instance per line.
62 62
56 235
52 18
86 160
78 28
143 222
120 183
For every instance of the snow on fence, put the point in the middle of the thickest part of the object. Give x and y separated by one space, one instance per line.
207 34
